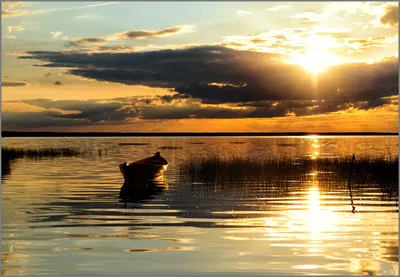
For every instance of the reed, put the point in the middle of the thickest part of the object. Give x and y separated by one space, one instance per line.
133 143
364 170
9 155
16 153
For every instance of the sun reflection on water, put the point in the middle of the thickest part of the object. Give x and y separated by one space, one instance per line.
321 221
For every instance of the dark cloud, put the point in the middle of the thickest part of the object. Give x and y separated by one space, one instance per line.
60 113
57 83
92 111
391 16
247 75
148 34
79 41
130 35
234 44
317 107
171 98
119 110
33 120
13 84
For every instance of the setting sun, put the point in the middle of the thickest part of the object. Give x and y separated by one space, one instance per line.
314 61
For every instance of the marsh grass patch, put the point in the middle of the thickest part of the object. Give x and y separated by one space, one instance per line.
132 143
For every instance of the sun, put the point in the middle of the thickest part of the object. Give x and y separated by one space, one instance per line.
314 61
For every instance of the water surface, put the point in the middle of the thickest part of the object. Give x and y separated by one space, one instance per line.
63 216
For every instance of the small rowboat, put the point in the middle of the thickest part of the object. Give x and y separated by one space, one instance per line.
151 168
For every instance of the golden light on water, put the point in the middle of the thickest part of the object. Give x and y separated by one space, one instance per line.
313 150
314 155
318 219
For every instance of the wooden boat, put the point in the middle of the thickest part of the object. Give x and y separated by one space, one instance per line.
151 168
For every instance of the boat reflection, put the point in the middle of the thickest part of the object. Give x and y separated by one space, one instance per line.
142 191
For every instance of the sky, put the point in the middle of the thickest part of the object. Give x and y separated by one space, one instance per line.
200 66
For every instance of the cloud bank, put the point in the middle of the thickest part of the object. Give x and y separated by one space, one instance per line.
172 107
217 74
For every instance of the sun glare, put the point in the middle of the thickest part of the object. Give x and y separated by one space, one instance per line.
314 61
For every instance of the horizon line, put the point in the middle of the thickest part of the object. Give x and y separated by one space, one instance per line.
180 134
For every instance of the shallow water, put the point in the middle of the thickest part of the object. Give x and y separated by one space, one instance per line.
63 216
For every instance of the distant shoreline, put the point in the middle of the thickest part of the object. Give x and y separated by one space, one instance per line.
5 134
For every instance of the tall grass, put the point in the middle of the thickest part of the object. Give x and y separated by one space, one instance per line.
227 169
17 153
9 155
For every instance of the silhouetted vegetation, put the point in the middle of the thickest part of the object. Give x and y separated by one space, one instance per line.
286 144
365 170
9 155
15 153
133 143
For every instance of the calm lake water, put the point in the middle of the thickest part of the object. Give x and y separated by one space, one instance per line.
64 216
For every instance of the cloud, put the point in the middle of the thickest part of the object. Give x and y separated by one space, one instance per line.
33 120
333 10
90 110
57 83
80 7
242 12
257 40
12 4
369 8
13 84
277 8
55 35
289 41
86 17
11 11
149 34
308 18
362 44
134 35
18 28
130 109
305 15
391 16
10 37
247 75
